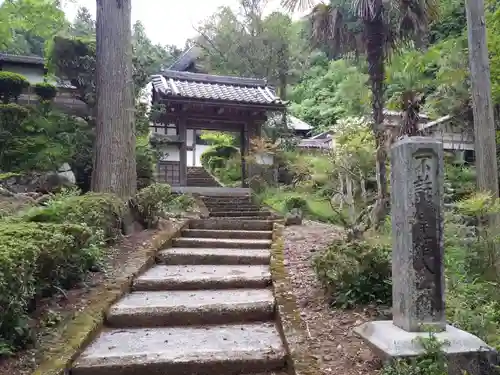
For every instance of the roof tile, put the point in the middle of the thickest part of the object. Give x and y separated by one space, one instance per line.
212 87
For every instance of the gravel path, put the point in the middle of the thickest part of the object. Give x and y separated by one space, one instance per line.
330 330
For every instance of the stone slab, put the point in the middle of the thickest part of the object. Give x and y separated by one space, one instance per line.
229 349
171 308
417 176
185 277
222 233
221 223
236 213
390 341
221 242
179 255
212 191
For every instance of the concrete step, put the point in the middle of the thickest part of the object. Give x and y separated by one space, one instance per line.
227 200
179 256
235 213
194 277
245 218
181 308
221 233
233 208
223 243
221 350
223 224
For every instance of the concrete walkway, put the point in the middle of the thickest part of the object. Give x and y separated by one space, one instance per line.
206 307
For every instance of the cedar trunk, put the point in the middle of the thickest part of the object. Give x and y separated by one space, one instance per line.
375 40
482 106
114 157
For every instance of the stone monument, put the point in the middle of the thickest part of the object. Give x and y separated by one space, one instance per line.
418 284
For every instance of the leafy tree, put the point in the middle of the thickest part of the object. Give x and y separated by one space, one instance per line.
379 25
25 25
84 24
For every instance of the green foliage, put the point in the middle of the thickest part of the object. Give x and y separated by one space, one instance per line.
356 273
45 91
35 260
102 212
327 93
25 25
146 159
215 156
432 362
36 139
11 86
218 138
151 203
295 202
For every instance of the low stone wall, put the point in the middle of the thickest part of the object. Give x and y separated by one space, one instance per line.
292 328
85 325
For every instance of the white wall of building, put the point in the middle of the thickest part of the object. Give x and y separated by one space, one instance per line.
171 153
33 75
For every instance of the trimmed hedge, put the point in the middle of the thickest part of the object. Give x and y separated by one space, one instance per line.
35 260
45 91
102 212
11 86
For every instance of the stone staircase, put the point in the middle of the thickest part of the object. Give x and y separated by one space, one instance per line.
199 177
206 307
235 208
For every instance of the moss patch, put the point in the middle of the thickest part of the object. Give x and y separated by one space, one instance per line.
293 328
81 329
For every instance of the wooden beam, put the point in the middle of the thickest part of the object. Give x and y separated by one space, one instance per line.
244 153
182 129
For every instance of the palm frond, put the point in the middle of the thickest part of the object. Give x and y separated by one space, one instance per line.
297 5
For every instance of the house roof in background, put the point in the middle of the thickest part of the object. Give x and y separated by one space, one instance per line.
189 85
297 124
187 58
19 59
322 143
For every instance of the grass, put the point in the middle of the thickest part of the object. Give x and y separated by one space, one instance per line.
319 208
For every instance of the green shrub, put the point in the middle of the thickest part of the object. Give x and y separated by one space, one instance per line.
11 115
355 273
11 86
219 153
45 91
151 203
295 202
146 158
35 260
103 212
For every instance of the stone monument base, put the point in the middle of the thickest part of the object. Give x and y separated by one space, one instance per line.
464 350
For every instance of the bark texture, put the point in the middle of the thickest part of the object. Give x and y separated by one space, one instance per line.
375 41
114 158
484 124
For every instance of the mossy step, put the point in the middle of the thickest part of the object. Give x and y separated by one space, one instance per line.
223 243
195 277
223 224
194 256
181 308
221 350
236 213
234 234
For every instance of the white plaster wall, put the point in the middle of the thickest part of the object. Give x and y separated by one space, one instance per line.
172 151
264 159
199 149
190 137
33 75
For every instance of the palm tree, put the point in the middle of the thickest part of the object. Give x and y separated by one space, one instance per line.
372 28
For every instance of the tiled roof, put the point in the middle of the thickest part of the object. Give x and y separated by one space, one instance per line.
32 60
218 88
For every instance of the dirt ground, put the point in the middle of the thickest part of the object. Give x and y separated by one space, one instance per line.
53 311
338 351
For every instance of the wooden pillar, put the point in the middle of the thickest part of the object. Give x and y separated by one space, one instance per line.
244 151
182 130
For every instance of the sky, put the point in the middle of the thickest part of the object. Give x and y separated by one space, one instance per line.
169 21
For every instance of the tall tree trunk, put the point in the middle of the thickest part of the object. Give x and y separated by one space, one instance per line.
482 106
375 41
114 157
484 123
